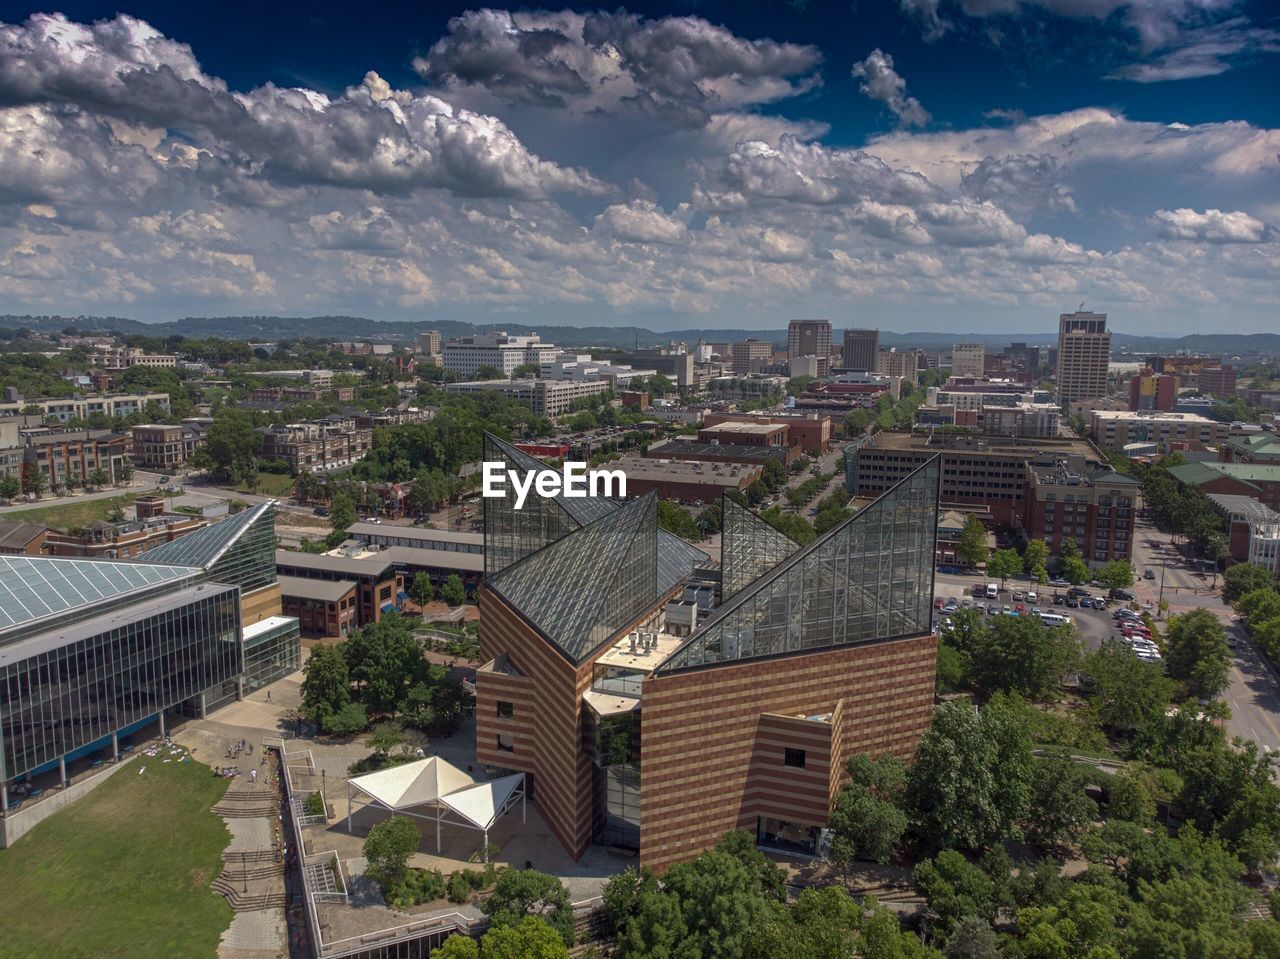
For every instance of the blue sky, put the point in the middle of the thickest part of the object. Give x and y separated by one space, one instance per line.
913 164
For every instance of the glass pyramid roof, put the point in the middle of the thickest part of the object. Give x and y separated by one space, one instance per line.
868 579
33 588
511 534
588 585
749 547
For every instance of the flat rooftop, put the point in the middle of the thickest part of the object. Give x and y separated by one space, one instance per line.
1146 416
977 444
321 590
692 449
745 429
681 471
375 531
620 654
372 565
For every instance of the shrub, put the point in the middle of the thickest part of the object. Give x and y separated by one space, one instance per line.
459 888
314 806
417 887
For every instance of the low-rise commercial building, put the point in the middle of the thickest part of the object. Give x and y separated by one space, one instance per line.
696 451
809 432
1253 530
103 540
379 587
421 537
323 608
683 480
1257 481
22 539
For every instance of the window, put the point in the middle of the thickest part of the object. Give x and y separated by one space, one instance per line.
505 710
506 743
793 757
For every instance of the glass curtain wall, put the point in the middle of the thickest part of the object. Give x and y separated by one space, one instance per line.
869 578
271 654
60 699
617 785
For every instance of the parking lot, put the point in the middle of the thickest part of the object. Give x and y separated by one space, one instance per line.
1094 625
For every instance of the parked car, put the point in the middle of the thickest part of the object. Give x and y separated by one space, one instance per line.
1058 599
1078 592
1019 609
938 602
320 511
946 569
993 609
1033 597
371 519
1058 582
1019 595
1148 574
1121 594
1073 602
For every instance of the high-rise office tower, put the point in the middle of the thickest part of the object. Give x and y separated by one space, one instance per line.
904 364
860 348
809 338
1084 347
968 359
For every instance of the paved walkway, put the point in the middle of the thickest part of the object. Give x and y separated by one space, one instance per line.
258 934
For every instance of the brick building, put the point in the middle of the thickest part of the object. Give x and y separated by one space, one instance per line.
1260 482
379 588
653 708
324 608
1094 507
809 432
317 446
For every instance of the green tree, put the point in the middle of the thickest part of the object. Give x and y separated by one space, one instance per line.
453 592
1128 799
1024 655
1117 574
1004 563
622 892
972 548
1086 920
347 721
867 820
971 779
525 892
972 938
326 686
386 737
526 371
421 591
487 372
384 660
794 527
10 487
531 938
388 847
1259 605
99 478
675 519
1059 811
1126 693
34 480
232 446
1035 560
458 946
757 493
1245 578
721 903
1197 653
954 888
774 475
342 513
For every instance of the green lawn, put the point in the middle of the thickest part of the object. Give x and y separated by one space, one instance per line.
124 872
64 516
271 484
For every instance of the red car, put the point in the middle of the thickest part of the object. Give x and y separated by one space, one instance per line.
1142 631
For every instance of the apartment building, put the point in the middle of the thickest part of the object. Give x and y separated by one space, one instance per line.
317 446
1094 507
166 447
73 455
1116 429
543 397
125 357
468 354
1218 381
64 409
1150 390
1084 350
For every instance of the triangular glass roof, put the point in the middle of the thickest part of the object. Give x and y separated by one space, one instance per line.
588 585
33 588
749 547
204 547
870 578
511 534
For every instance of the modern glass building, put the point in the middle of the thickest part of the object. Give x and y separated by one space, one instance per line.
91 650
744 711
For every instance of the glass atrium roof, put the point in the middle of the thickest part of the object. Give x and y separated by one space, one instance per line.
588 585
35 587
204 547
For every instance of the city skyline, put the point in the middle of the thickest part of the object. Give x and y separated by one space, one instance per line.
901 166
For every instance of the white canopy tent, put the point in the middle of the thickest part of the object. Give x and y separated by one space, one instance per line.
454 797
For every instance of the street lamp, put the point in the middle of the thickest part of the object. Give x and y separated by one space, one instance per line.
1163 566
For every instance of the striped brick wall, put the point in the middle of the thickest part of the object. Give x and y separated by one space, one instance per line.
547 723
711 761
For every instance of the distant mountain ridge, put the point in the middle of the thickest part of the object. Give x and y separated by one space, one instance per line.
609 337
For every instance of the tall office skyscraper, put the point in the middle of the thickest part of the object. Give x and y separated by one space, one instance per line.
809 338
1084 347
860 348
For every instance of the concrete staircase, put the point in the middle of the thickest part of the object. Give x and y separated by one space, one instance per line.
247 804
251 879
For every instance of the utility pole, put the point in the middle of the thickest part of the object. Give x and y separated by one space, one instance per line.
1163 565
